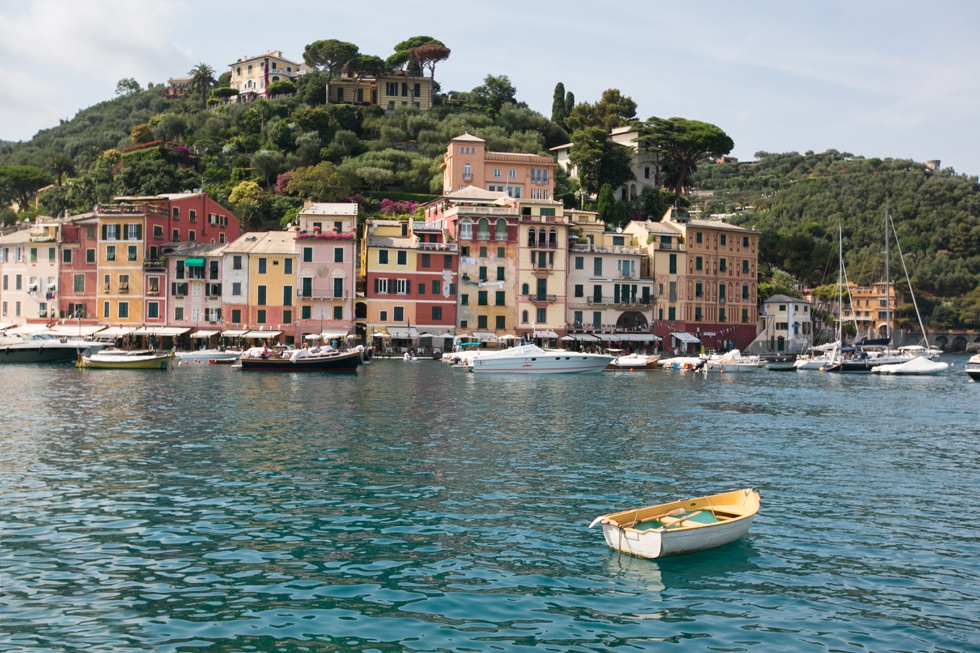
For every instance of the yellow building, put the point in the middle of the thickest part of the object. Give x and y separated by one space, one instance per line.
386 91
542 273
120 256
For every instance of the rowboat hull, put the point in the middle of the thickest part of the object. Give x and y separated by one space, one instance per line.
339 362
124 362
681 527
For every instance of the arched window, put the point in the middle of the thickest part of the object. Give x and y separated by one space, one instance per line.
483 229
465 229
543 238
525 289
553 238
467 172
501 230
532 237
523 317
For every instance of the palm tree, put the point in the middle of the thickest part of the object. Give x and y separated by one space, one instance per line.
202 79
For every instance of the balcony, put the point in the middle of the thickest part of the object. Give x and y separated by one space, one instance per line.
130 209
439 247
610 249
540 299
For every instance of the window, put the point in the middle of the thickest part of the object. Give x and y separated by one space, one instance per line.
307 255
467 172
66 256
501 252
401 286
398 314
464 300
697 314
338 287
110 232
153 310
338 254
481 298
263 263
722 264
422 288
483 252
465 229
306 312
175 235
123 310
381 286
123 283
287 266
596 319
261 290
745 266
501 322
236 316
383 257
698 263
260 316
402 258
287 298
287 316
721 315
596 267
131 253
110 252
500 273
579 262
306 287
437 312
724 240
236 262
745 242
673 264
671 313
447 262
512 173
236 289
542 315
745 292
483 273
499 298
105 309
175 212
78 283
90 256
579 290
426 261
213 270
338 312
745 315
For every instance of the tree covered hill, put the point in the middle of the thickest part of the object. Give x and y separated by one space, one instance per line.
797 202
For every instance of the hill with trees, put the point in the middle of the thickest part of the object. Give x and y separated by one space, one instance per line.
264 158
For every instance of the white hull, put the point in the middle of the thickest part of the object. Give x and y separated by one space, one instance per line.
657 544
207 355
729 368
531 359
916 367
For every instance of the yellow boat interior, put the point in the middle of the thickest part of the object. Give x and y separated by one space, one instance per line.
689 513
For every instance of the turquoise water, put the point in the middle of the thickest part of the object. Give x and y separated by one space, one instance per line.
420 508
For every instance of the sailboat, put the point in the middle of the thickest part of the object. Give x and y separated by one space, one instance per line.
870 353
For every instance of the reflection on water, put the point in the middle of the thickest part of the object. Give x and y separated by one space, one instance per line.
416 507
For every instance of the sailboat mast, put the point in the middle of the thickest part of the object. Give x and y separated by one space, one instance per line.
840 285
888 287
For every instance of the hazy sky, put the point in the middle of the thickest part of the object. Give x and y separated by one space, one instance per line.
878 78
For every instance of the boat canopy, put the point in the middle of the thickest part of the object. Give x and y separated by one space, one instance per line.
74 330
28 329
686 338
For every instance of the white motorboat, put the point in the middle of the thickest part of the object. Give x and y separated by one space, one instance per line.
918 366
222 356
973 367
45 348
682 363
733 361
531 359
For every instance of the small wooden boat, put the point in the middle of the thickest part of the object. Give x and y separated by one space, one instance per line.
633 362
132 360
680 527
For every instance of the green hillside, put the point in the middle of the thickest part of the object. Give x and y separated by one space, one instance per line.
265 158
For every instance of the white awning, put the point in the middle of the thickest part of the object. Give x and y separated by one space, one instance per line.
403 333
545 334
28 329
638 337
686 338
74 330
609 337
334 333
234 333
6 325
485 336
262 335
116 332
143 331
205 333
170 332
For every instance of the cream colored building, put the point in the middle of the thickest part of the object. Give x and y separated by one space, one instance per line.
29 273
251 76
387 91
607 291
785 326
542 272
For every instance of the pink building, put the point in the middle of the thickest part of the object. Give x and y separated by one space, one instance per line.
522 176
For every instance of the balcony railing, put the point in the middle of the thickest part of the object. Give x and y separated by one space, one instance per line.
540 299
439 247
610 249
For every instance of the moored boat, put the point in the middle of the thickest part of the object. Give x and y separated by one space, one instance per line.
682 363
44 348
531 359
126 360
733 361
634 362
680 527
973 367
300 360
918 366
228 356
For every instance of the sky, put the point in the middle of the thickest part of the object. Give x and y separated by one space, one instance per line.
874 78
